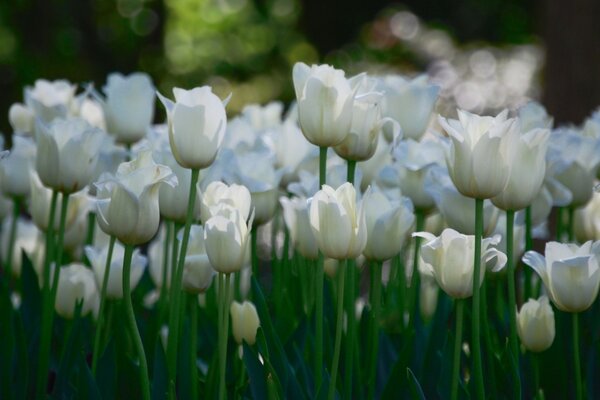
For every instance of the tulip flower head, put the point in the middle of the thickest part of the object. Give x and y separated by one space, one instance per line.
197 271
481 153
50 100
76 284
570 273
449 258
67 153
16 168
219 194
338 222
245 322
197 123
21 119
297 220
128 201
535 324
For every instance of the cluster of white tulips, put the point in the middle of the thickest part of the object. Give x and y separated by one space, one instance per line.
358 175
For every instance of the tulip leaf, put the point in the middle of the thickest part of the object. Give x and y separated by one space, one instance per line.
397 382
159 373
31 309
68 359
256 373
413 384
22 358
87 386
7 345
106 373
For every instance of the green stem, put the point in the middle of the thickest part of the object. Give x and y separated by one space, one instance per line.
174 314
12 238
460 305
351 171
89 236
512 297
401 282
50 289
319 278
95 354
254 250
487 337
350 328
414 281
576 359
376 304
162 300
132 325
528 246
223 332
571 225
536 373
475 334
194 344
338 329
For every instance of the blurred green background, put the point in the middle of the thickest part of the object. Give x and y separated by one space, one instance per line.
248 47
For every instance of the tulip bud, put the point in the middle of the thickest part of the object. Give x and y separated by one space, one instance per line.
226 238
21 118
197 123
76 283
535 324
244 322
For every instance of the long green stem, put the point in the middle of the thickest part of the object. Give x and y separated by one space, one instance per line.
132 325
414 281
528 246
460 305
319 278
512 296
49 290
176 288
338 330
12 238
223 333
95 354
576 358
475 334
376 304
193 344
162 300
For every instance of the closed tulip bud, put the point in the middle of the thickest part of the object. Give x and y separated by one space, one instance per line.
67 154
535 324
226 238
218 194
244 322
197 123
129 106
410 102
449 258
127 205
114 287
570 273
50 100
16 168
198 273
338 222
481 153
325 103
387 225
297 221
527 171
76 284
21 118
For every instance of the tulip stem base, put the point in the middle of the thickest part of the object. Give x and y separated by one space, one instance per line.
460 305
576 358
338 329
132 325
375 316
97 337
476 314
175 311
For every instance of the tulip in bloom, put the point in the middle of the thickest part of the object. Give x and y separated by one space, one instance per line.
387 225
226 239
129 106
16 168
570 273
197 123
21 119
244 322
325 103
481 154
219 194
535 324
114 288
449 258
128 202
409 102
50 100
76 283
67 153
338 222
297 220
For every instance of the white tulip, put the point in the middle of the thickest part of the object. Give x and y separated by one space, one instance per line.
197 271
244 322
16 168
297 220
76 283
21 118
50 100
218 194
535 324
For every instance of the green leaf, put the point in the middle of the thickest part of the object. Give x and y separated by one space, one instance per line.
413 384
159 375
31 309
68 360
397 382
106 374
256 373
87 387
7 342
